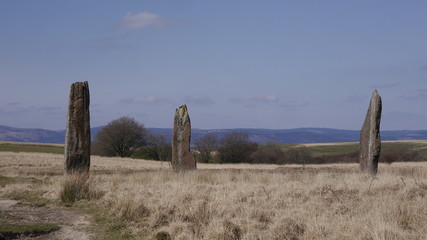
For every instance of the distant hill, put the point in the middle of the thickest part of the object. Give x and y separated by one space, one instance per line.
282 136
31 135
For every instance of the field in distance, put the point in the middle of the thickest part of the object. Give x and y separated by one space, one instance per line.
317 149
31 147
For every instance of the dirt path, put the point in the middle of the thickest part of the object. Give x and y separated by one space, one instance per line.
74 225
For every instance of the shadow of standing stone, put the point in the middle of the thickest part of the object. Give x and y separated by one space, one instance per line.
370 141
77 136
182 158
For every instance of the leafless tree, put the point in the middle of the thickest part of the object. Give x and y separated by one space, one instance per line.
206 146
159 148
120 137
236 147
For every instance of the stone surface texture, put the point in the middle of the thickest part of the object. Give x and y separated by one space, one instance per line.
77 136
182 158
370 141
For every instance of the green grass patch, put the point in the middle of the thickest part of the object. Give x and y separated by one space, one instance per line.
12 231
285 147
10 147
333 150
316 151
325 150
28 198
108 227
407 145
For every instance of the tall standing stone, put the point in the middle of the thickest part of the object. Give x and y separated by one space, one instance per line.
370 141
182 158
77 137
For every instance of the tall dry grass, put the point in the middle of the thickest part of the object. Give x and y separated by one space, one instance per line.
249 201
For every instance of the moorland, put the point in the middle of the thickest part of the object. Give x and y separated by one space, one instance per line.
126 198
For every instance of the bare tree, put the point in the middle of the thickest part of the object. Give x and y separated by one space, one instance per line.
236 147
159 148
120 137
206 146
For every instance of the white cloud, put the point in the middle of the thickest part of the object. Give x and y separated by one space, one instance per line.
140 20
255 99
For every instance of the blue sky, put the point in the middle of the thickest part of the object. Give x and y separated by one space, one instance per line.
236 64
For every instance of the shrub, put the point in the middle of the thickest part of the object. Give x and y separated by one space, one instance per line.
400 154
269 154
336 158
300 155
157 149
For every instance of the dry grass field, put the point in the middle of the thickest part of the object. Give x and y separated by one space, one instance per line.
237 201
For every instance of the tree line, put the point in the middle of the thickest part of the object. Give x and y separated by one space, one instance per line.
125 137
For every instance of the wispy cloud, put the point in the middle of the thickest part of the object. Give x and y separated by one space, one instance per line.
385 85
153 100
255 99
424 68
357 98
416 94
17 108
199 100
141 20
294 104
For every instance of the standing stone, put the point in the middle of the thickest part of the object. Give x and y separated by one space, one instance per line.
370 141
182 158
77 137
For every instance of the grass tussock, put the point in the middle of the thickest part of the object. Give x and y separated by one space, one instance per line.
76 187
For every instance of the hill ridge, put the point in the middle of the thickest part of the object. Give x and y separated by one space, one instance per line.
259 135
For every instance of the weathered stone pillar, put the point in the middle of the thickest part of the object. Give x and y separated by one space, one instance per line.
370 141
77 136
182 158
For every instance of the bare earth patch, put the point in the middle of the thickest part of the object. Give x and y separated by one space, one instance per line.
74 225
